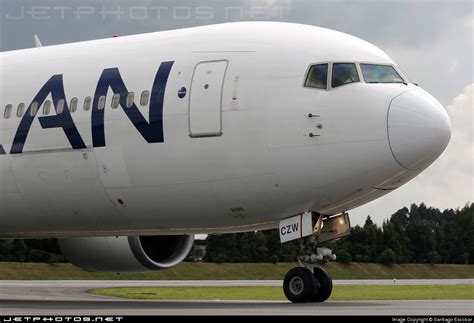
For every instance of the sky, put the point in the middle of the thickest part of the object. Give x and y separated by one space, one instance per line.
430 40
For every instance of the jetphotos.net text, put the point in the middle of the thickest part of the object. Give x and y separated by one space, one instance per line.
130 13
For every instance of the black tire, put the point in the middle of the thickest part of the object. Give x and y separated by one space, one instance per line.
299 285
324 280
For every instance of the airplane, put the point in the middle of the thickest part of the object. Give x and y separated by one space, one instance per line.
125 148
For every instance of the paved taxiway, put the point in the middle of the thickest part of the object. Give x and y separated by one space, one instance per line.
72 298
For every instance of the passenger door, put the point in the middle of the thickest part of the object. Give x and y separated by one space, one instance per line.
205 105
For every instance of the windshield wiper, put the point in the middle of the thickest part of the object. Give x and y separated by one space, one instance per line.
385 82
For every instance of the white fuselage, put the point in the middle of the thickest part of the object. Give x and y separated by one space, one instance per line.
235 152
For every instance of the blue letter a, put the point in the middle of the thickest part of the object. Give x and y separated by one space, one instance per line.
60 120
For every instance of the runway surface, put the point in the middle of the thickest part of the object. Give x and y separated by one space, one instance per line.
72 298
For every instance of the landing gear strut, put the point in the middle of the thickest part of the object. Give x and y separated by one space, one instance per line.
309 283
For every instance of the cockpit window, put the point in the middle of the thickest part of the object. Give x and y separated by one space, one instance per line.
317 76
380 74
344 73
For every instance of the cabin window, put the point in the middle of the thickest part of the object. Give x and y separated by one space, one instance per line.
145 98
73 105
130 99
317 76
21 110
380 74
60 106
8 111
115 101
46 107
101 102
33 109
87 103
344 73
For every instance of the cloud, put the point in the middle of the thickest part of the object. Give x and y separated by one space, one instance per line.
449 182
270 3
407 23
443 65
460 151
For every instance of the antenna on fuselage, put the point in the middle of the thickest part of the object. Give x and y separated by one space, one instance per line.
37 41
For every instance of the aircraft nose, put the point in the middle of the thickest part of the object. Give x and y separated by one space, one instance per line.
419 129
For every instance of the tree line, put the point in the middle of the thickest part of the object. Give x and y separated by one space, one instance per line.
419 234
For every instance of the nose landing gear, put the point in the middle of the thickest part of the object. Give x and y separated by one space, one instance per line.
309 283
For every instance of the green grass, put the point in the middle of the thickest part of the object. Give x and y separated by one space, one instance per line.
206 271
340 293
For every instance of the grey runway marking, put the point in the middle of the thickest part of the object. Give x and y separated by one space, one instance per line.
72 298
178 283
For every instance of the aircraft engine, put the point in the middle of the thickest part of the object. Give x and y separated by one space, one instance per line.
126 254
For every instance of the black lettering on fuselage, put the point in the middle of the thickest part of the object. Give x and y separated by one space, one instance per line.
291 228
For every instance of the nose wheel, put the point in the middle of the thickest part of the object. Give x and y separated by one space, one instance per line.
325 285
301 285
309 283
